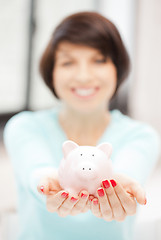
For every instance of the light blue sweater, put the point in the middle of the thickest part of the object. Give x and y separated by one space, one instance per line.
34 140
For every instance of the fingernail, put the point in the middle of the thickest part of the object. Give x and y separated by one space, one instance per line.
91 198
83 195
101 192
64 194
42 189
145 201
73 199
113 183
95 202
106 184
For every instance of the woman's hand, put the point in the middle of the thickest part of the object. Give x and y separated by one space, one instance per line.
60 201
116 198
67 204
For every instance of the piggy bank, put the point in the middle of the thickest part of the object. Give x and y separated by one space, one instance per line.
84 167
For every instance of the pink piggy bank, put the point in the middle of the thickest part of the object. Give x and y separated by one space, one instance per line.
84 167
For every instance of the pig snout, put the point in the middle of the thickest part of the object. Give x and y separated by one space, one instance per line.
86 170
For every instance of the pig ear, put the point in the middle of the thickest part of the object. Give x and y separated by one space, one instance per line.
106 148
68 146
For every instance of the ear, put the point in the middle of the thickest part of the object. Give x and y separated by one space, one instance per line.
68 146
106 148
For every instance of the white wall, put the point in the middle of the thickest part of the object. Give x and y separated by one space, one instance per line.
13 50
146 87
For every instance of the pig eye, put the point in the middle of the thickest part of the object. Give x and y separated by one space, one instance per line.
93 155
81 154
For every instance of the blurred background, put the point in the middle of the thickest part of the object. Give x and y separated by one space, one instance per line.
25 28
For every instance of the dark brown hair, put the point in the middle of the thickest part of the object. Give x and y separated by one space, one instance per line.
90 29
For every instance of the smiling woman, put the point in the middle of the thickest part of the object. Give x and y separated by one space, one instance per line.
92 30
83 75
84 64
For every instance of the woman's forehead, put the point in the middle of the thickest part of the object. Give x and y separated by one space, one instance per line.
67 49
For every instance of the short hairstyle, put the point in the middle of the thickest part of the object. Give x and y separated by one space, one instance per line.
90 29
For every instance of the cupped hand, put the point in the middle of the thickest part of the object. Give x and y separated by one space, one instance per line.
60 201
73 205
49 185
117 198
65 203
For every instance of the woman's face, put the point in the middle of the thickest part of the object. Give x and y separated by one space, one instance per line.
83 78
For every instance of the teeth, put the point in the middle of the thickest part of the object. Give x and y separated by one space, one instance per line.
85 92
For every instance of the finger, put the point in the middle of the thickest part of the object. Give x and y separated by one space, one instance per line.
91 197
105 207
87 206
116 206
67 205
43 187
80 205
127 200
95 208
40 189
129 203
138 192
48 186
54 201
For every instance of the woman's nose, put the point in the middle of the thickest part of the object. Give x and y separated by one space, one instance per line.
84 73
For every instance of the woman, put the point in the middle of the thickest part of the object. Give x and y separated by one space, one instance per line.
84 65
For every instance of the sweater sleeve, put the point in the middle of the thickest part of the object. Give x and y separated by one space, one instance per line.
28 149
138 155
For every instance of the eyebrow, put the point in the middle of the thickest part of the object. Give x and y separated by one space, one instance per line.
66 54
63 53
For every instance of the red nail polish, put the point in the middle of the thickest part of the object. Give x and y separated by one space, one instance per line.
64 194
91 198
145 201
95 202
83 195
101 192
73 199
106 184
42 189
113 183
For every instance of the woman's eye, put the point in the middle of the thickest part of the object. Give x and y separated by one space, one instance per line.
67 63
100 60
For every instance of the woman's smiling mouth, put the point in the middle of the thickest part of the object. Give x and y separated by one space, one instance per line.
85 92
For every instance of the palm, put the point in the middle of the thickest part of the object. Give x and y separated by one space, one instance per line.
132 187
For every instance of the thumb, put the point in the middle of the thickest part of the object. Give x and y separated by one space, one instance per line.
139 193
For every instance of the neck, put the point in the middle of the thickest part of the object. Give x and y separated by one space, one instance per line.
84 127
